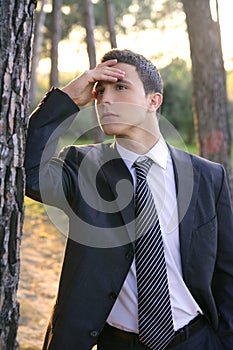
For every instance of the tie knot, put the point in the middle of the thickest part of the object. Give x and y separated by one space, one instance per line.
142 167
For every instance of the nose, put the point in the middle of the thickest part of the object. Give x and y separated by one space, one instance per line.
106 96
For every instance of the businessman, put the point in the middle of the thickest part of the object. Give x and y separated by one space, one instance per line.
149 255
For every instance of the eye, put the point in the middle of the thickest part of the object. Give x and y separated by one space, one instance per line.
121 87
99 92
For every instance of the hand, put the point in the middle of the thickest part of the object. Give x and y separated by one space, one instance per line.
80 89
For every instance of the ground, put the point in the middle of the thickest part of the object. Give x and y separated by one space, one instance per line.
42 250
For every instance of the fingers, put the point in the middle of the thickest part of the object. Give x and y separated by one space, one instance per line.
108 63
106 71
80 89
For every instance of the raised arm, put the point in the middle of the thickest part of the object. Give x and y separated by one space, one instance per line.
50 120
80 89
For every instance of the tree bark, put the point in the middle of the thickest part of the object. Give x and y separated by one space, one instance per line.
210 104
55 38
89 24
38 38
110 16
16 25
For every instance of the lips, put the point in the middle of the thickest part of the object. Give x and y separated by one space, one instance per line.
108 116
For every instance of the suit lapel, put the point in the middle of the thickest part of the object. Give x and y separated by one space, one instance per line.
187 184
121 184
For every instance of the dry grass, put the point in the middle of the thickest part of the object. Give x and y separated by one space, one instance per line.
41 257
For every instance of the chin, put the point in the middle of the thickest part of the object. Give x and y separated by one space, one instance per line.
112 129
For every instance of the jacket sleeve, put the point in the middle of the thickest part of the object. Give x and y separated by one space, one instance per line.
48 122
223 277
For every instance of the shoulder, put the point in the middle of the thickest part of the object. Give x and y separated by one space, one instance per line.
200 163
210 175
93 151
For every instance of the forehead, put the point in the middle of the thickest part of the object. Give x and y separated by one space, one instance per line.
129 70
131 75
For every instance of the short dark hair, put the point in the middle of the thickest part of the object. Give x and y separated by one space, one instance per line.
147 71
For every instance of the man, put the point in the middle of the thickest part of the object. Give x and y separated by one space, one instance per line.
107 191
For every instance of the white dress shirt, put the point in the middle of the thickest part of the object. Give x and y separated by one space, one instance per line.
124 314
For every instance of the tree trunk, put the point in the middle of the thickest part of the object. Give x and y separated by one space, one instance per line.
38 38
89 24
16 25
110 15
55 38
211 114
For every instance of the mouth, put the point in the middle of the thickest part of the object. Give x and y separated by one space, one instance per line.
109 116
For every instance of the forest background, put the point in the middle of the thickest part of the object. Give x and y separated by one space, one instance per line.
71 36
156 29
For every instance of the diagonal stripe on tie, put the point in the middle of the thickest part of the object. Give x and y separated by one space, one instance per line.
154 306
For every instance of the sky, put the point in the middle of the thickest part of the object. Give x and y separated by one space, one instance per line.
162 46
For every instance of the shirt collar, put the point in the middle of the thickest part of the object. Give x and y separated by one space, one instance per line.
158 153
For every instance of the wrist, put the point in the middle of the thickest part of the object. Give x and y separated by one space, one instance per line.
68 91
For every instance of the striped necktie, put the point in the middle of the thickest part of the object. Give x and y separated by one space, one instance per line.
154 307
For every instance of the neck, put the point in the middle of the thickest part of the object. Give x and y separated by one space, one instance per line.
139 145
142 137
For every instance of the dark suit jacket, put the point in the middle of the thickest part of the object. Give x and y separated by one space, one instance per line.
100 245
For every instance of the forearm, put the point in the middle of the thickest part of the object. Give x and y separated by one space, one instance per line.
47 123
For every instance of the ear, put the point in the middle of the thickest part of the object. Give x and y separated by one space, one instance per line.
155 101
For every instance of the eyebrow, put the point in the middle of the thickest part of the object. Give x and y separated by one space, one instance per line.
101 83
124 81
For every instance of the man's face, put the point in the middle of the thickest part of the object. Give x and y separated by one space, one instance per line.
122 106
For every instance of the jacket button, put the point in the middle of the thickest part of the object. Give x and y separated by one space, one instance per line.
94 334
129 255
113 295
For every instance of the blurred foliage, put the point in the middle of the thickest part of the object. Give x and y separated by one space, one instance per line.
43 84
34 207
136 15
230 85
177 104
130 15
